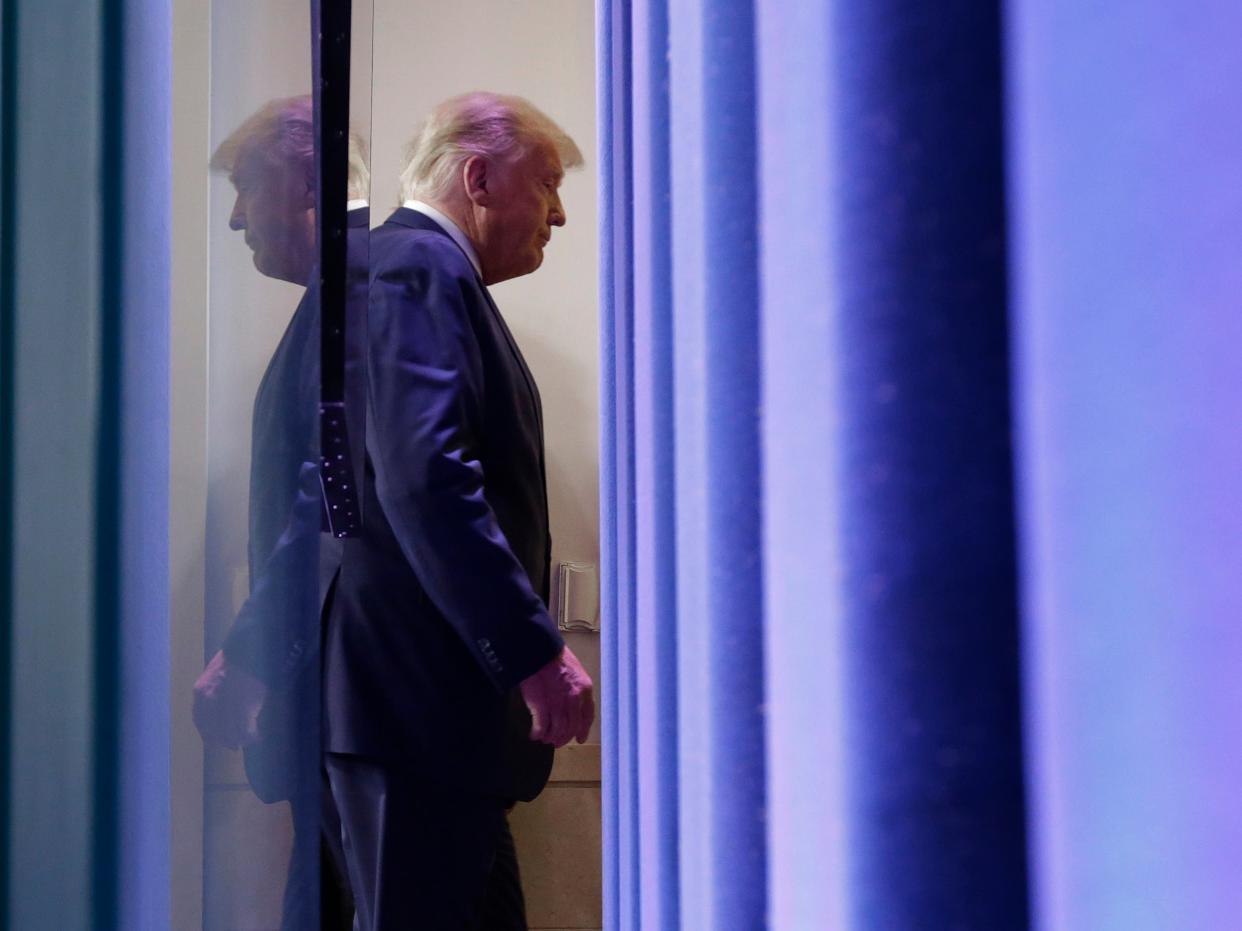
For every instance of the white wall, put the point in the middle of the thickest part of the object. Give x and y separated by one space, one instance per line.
543 50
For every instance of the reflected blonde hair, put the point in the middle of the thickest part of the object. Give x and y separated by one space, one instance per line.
284 131
497 126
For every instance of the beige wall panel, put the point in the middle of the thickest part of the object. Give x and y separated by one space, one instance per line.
558 841
246 858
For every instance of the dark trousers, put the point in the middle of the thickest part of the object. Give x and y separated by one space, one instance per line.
317 896
422 857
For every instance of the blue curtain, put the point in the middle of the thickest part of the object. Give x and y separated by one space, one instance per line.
84 195
918 336
1126 194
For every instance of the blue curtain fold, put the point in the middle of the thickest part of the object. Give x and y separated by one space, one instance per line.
818 721
138 861
655 494
715 399
617 701
934 763
803 547
1125 179
84 610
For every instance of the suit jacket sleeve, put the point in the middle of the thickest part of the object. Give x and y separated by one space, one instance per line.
426 437
276 630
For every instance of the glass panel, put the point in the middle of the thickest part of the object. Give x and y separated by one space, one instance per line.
256 541
262 252
251 561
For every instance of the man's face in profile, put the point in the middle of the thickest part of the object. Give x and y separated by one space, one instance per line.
275 208
526 204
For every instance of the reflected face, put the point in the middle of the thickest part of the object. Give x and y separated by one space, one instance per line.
275 208
523 206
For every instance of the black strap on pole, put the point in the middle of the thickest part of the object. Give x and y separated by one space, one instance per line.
330 24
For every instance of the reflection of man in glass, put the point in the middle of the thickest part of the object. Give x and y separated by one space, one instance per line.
261 690
441 651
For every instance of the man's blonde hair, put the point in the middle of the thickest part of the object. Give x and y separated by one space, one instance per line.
495 126
284 131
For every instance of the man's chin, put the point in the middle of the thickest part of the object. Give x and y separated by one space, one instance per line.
268 269
533 265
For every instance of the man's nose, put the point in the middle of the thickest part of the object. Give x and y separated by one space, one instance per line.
237 219
556 216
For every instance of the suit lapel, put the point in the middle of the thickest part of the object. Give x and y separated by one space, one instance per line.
404 216
519 358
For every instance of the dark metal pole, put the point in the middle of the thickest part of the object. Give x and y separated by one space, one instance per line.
330 21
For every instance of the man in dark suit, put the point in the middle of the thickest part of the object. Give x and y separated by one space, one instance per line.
447 685
261 690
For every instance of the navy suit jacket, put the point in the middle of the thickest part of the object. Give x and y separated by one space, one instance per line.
440 608
276 636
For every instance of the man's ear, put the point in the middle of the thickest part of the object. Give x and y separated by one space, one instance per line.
476 178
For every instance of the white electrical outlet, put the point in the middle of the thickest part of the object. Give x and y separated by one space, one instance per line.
577 596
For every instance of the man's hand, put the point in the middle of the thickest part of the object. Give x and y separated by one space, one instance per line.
561 700
227 701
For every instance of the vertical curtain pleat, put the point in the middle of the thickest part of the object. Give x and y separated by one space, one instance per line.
56 236
934 773
1126 182
85 300
8 420
812 200
802 427
655 567
617 552
716 402
141 865
608 89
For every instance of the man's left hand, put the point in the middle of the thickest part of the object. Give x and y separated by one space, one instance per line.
227 702
561 700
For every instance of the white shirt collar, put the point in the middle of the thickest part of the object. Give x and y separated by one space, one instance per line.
449 227
355 204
